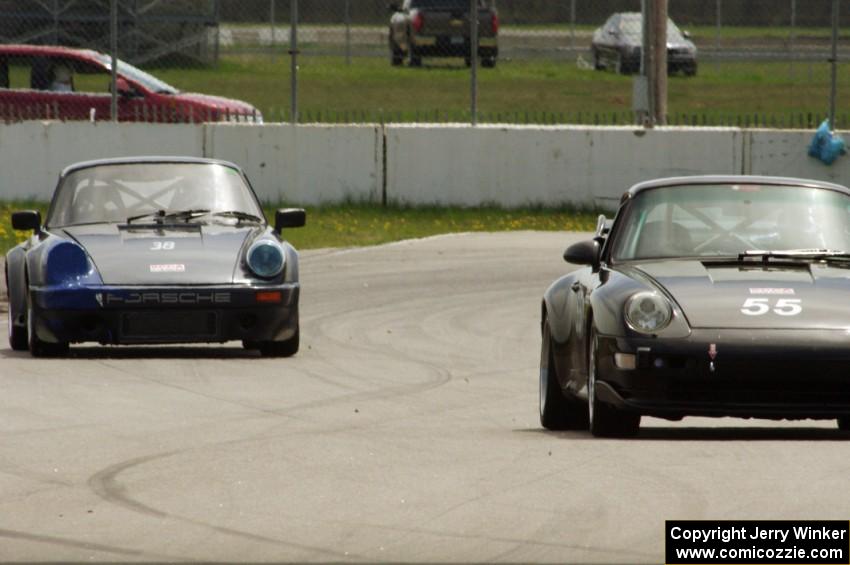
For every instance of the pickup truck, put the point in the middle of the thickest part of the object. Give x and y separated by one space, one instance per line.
440 28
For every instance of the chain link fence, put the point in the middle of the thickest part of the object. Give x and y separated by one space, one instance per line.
732 62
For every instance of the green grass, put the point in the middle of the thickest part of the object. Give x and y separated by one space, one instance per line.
353 225
516 91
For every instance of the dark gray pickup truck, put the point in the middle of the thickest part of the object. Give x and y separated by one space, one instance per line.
440 28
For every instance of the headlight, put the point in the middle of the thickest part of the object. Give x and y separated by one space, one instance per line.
648 312
67 263
265 258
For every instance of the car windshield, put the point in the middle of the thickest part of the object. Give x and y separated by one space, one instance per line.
114 193
149 82
454 4
729 219
631 26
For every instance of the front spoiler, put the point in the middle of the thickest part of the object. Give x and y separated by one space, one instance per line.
748 373
150 315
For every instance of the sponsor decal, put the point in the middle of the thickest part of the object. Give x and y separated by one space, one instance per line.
771 291
169 268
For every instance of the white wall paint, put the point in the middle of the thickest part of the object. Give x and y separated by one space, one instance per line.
425 164
32 154
518 165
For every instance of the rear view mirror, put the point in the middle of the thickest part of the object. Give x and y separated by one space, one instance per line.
289 218
583 253
27 220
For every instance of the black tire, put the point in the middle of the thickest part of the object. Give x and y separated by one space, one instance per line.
597 63
605 420
844 423
467 61
488 62
396 54
17 334
415 59
690 70
557 412
37 347
286 348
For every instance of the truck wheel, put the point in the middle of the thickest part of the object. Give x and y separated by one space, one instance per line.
488 62
415 60
396 54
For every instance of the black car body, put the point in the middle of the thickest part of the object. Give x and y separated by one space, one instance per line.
153 250
618 43
712 296
441 28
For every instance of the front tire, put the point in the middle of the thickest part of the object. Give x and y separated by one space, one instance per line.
286 348
17 334
605 420
557 412
38 347
396 54
488 62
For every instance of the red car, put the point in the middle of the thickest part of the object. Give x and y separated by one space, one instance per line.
47 82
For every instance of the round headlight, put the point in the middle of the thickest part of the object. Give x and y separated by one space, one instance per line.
265 258
648 312
67 263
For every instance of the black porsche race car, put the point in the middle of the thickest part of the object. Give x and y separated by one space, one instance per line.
153 250
710 296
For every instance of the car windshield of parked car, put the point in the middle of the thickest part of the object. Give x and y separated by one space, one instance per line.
632 27
147 81
114 193
454 4
728 219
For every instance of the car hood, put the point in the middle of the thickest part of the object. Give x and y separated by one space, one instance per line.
221 102
713 295
196 254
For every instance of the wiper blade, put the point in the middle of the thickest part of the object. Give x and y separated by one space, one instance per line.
793 254
241 216
160 216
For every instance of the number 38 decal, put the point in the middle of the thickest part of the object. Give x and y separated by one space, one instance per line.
761 306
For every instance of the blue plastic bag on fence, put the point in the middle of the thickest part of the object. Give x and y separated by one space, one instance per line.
826 145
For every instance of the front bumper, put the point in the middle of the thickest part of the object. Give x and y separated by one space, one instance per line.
150 315
453 46
767 374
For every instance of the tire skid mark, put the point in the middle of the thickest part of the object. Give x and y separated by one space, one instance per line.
106 485
85 545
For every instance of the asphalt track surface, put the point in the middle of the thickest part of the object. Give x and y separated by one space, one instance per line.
406 429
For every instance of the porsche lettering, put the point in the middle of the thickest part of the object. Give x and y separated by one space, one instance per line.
167 298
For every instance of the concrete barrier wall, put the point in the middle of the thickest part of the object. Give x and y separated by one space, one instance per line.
32 154
515 166
783 153
419 164
304 164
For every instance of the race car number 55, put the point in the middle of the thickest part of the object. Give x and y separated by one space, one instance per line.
761 306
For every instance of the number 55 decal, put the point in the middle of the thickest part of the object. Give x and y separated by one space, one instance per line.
761 306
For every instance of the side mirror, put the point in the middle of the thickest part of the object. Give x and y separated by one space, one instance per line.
27 220
289 218
686 34
583 253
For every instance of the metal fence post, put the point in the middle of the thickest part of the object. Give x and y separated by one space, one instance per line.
271 24
113 45
473 60
833 59
347 32
791 39
719 8
573 26
293 52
